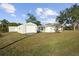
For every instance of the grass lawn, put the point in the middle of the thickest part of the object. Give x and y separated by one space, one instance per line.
65 43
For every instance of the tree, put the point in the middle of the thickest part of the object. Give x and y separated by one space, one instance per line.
61 18
4 25
71 13
75 15
14 24
32 19
57 27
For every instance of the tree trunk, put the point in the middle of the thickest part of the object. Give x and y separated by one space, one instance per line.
74 27
78 26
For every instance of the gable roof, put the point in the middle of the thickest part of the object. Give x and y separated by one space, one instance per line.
49 25
28 24
53 25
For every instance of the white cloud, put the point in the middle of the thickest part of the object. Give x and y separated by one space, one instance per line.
45 12
50 12
42 16
39 11
13 15
46 15
8 7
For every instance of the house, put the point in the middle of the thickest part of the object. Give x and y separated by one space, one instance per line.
24 28
33 28
50 27
12 28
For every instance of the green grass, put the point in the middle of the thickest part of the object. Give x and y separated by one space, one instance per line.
65 43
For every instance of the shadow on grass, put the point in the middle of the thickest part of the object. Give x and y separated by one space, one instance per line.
16 41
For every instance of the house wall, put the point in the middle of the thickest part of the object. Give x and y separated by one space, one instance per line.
31 29
27 28
12 28
49 29
21 29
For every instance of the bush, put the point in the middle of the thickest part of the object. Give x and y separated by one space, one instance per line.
4 28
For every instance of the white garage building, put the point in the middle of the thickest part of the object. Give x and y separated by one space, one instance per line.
25 28
12 28
49 28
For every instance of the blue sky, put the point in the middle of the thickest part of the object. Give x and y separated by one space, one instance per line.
44 12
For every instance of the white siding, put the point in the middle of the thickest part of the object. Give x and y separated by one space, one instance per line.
12 29
49 29
27 28
21 29
31 29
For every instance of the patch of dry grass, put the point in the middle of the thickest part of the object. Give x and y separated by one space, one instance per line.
65 43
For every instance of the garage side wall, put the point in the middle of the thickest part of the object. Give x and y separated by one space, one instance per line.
12 29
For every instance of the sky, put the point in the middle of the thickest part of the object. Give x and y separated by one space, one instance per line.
44 12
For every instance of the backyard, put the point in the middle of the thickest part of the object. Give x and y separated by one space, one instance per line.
44 44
